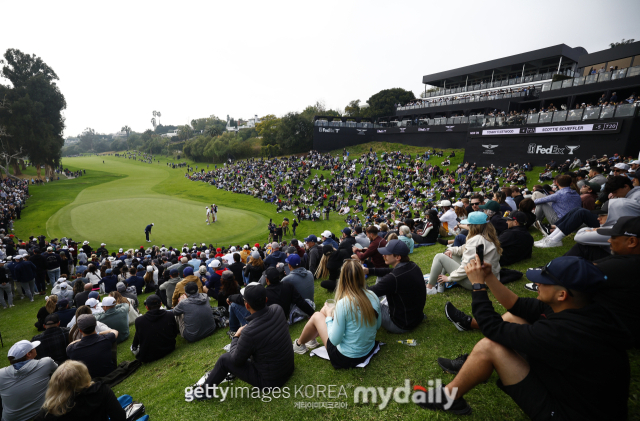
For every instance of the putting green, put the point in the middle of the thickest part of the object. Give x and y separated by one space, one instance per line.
117 212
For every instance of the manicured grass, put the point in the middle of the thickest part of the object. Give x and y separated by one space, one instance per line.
144 189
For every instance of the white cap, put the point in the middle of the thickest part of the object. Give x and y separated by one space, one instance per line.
636 162
622 166
152 223
62 279
102 244
22 348
17 257
91 302
245 247
326 234
72 249
203 244
458 204
108 301
85 242
49 248
64 285
445 203
232 249
120 251
149 268
215 263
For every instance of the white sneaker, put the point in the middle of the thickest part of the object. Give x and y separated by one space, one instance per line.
299 349
313 343
546 243
432 291
531 286
537 225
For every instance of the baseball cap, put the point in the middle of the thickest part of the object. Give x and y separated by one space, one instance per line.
215 263
109 270
312 238
17 257
149 268
517 216
64 285
188 271
254 294
396 247
191 288
347 231
120 286
152 301
96 294
174 272
628 226
21 348
272 275
444 203
108 301
63 303
102 244
475 218
91 302
227 275
49 248
491 205
293 260
326 234
621 166
51 319
120 251
86 321
245 247
275 245
570 272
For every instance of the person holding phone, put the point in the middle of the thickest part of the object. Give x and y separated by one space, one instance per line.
453 261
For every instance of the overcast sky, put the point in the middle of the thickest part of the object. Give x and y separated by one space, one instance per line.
119 61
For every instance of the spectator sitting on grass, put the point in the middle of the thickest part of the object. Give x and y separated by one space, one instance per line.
403 285
156 332
53 341
24 382
260 352
193 313
349 329
545 376
116 316
94 349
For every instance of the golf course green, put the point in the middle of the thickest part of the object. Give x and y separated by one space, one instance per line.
116 212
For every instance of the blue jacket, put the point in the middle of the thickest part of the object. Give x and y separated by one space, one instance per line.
274 258
25 271
110 283
148 228
137 282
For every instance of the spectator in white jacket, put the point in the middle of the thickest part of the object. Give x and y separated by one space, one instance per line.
455 259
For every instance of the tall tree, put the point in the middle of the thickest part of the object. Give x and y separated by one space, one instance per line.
34 120
383 103
127 130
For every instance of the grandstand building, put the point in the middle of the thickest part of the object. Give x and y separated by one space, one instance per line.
557 101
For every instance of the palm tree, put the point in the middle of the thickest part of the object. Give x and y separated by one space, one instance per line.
127 130
212 131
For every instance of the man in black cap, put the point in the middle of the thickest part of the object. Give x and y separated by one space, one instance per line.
314 251
282 293
53 341
516 242
265 339
156 332
403 285
94 349
346 243
621 293
553 354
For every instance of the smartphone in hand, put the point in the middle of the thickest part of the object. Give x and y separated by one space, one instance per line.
480 253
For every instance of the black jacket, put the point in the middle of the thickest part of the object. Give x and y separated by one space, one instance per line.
516 244
81 298
265 338
315 255
254 273
570 352
283 294
156 333
97 403
498 223
404 287
236 268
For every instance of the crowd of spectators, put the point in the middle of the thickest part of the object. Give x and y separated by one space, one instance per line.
483 217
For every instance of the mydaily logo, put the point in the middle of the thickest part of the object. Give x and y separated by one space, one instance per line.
403 394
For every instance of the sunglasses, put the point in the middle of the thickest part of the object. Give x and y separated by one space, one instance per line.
546 273
475 204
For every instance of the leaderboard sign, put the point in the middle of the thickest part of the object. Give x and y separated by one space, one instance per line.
611 127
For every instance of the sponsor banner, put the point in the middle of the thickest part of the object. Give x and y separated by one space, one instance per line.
552 149
612 127
328 130
488 149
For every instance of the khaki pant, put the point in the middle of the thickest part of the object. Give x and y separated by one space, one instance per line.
442 265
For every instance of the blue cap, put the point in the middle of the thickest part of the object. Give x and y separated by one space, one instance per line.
312 238
94 294
475 218
174 271
109 270
347 231
396 247
570 272
140 267
187 271
293 260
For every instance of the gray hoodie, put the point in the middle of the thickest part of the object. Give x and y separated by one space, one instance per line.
23 390
198 319
302 279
